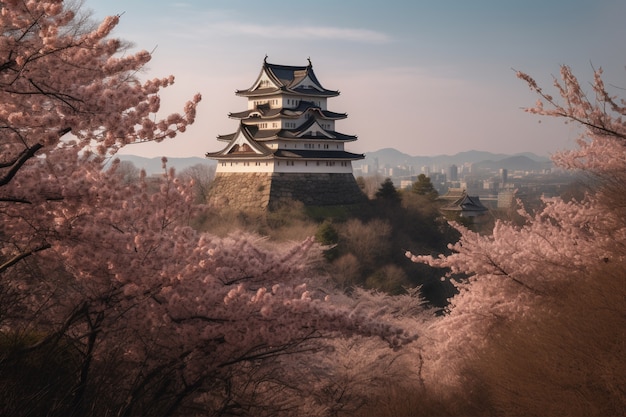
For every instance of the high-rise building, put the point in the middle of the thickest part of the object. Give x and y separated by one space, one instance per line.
503 175
453 173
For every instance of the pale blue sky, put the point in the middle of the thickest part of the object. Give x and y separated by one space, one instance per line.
425 77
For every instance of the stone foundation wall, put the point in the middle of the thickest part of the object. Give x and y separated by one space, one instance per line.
253 191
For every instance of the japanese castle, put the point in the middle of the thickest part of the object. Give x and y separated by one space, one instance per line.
286 146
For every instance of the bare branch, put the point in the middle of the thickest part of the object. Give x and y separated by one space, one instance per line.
19 162
23 255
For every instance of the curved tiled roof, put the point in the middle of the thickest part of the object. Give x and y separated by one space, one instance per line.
253 145
265 112
305 106
302 154
301 133
316 154
287 79
466 203
255 139
264 135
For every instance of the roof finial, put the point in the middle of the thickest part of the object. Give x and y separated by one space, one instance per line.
309 59
265 59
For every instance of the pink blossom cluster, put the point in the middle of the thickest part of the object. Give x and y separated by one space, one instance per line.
517 271
157 292
601 147
57 76
115 267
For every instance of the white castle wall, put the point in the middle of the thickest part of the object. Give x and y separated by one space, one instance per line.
344 167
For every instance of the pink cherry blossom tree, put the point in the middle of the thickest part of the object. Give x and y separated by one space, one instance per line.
542 297
150 316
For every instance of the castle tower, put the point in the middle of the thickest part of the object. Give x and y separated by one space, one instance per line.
286 145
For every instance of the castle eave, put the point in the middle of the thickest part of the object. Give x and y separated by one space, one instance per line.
315 154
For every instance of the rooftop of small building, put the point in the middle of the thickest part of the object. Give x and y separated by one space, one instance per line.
466 203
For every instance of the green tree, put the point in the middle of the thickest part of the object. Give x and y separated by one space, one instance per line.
388 192
327 235
423 186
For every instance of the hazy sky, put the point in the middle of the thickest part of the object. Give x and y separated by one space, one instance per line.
425 77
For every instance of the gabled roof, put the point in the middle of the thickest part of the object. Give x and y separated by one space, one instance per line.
466 203
241 144
311 130
265 112
247 142
305 106
285 79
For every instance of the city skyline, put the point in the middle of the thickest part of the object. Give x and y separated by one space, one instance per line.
426 78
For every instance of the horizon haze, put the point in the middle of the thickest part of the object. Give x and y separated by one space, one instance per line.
424 77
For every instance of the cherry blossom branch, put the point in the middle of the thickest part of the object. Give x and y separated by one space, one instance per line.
579 108
22 256
499 268
19 162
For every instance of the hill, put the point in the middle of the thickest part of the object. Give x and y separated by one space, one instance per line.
514 163
154 166
523 161
384 157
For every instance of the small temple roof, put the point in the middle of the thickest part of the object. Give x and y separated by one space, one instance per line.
466 204
297 80
453 194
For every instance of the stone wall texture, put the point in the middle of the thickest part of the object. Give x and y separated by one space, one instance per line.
254 191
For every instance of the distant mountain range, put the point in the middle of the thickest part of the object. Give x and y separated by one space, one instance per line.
155 165
526 161
384 157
